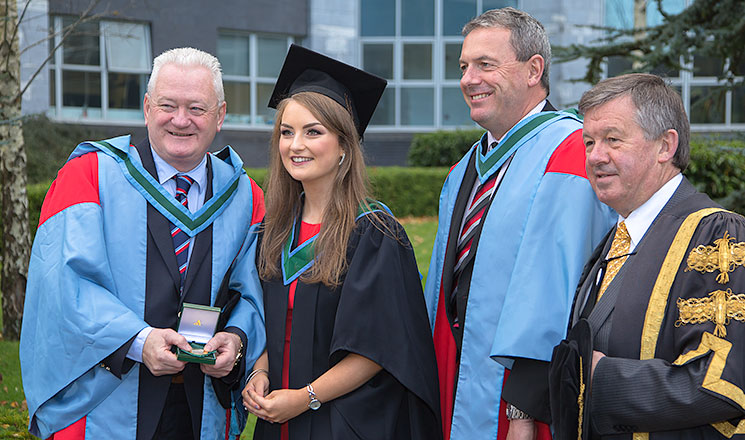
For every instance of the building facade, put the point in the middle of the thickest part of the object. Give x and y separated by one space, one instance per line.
98 73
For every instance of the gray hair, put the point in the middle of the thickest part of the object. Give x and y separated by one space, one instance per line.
658 108
188 56
527 35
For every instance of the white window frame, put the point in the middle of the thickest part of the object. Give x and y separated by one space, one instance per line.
253 78
688 79
438 81
76 114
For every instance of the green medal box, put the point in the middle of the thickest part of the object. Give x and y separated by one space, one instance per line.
197 324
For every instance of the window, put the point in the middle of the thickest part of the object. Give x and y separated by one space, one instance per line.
418 18
456 13
250 64
101 70
415 45
709 104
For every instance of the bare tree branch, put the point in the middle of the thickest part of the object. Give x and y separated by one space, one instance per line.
50 36
20 19
85 16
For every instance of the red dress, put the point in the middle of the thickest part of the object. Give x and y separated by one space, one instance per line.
307 231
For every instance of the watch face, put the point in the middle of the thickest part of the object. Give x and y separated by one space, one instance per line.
314 404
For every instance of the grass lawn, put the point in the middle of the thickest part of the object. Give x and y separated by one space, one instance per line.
421 232
13 411
13 414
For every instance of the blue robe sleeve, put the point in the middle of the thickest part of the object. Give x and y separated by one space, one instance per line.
73 319
566 220
248 314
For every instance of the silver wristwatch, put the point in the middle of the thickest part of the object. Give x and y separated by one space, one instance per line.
314 403
514 413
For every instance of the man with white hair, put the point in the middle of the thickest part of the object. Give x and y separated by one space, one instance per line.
128 234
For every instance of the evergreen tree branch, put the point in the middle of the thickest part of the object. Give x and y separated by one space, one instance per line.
712 27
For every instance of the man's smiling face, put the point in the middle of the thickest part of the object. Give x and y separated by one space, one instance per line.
494 82
183 115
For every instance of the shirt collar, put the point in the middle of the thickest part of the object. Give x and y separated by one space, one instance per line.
166 171
490 137
642 217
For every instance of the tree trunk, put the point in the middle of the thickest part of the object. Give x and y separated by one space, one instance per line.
15 234
640 22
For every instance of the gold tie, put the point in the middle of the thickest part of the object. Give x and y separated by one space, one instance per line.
620 246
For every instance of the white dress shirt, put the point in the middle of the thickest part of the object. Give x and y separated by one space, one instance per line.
642 217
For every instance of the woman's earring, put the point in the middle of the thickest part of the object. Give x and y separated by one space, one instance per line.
341 161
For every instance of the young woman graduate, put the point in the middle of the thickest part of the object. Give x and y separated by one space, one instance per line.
349 352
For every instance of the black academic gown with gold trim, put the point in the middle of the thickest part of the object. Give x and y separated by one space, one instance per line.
691 381
377 312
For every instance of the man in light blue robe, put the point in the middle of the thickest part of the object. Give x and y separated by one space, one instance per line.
517 220
105 284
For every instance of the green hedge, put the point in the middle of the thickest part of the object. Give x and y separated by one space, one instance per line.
717 167
48 145
36 193
441 148
409 192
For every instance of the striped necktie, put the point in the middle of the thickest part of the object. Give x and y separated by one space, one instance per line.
180 239
472 219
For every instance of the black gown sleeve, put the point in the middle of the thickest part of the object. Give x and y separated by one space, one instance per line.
117 362
527 388
676 389
697 375
382 316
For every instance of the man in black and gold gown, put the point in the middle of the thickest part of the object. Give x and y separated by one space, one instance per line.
664 294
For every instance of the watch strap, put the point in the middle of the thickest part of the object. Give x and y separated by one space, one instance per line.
313 403
514 413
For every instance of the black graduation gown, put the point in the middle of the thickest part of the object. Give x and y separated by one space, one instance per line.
690 385
378 312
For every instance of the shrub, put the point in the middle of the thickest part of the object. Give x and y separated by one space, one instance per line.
441 148
409 192
717 168
48 145
36 193
735 202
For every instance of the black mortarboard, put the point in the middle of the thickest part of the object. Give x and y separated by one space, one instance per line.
308 71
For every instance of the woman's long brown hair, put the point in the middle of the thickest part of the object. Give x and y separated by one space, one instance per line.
283 201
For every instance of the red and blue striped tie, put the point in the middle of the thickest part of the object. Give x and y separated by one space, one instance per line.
472 216
180 239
